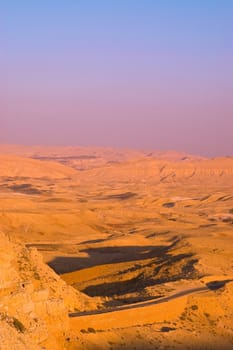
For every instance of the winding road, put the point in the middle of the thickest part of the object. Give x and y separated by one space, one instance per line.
142 304
161 310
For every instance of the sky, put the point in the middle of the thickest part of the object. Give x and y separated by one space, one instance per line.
145 74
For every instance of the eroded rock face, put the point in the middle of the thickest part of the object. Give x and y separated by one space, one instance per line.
34 301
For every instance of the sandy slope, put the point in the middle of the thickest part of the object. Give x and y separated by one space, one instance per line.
12 166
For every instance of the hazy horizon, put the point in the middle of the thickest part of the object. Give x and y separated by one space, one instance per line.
124 74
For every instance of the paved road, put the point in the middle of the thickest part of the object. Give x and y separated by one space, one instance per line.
213 285
142 304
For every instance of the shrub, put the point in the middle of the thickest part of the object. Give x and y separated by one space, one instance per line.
18 325
194 307
91 330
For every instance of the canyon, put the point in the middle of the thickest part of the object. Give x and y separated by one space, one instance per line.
115 249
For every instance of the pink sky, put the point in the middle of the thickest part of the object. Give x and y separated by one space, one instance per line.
122 75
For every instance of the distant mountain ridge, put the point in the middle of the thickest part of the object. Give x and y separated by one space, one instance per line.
83 158
112 165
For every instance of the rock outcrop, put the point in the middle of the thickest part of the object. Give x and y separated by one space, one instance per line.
34 301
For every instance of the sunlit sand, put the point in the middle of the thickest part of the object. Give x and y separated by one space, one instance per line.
142 244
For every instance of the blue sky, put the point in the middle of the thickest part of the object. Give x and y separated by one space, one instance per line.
138 74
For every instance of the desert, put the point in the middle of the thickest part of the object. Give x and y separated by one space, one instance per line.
116 175
106 248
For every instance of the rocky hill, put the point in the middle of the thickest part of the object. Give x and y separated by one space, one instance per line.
84 158
13 166
34 301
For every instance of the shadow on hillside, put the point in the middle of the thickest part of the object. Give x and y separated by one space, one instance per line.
153 300
215 285
108 255
168 269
